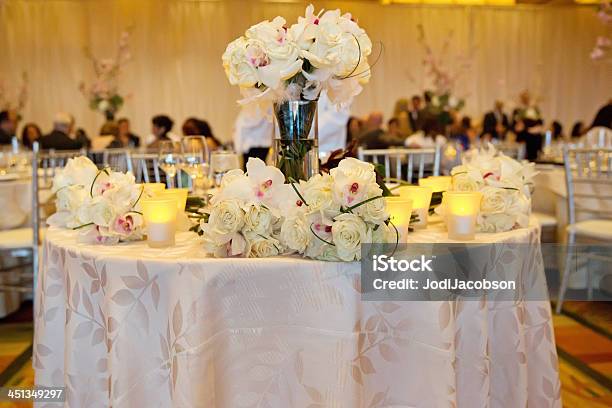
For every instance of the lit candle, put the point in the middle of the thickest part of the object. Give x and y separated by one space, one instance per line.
150 189
421 198
437 183
462 208
400 210
160 219
178 194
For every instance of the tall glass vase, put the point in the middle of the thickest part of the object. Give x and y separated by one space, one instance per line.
296 139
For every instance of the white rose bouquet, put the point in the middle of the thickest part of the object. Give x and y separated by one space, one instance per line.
273 62
504 183
101 204
328 217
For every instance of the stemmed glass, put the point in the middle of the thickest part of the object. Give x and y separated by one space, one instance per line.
220 163
170 159
195 159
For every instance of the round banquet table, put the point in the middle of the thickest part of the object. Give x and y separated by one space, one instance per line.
131 326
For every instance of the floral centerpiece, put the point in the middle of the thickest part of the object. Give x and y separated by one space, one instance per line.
504 183
101 204
328 217
15 102
103 93
289 67
440 98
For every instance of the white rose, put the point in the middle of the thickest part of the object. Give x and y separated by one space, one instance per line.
495 200
295 233
258 219
318 193
263 247
466 178
70 198
226 218
349 232
103 105
240 67
79 170
374 211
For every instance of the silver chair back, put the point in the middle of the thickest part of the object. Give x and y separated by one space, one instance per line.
51 160
394 160
588 175
117 159
145 167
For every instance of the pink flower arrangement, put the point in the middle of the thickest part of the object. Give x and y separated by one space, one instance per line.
17 101
103 93
603 44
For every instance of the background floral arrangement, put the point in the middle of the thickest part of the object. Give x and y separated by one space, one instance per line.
103 93
14 102
442 79
505 186
101 204
603 44
328 217
325 51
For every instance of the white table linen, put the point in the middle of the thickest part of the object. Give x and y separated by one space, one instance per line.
130 326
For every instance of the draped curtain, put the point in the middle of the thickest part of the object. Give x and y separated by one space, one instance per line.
177 46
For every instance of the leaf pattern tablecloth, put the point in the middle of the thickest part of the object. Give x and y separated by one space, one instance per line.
130 326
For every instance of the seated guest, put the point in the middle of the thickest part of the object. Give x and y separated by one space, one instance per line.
161 125
373 136
401 114
125 138
81 136
353 129
197 127
8 125
30 134
577 130
463 133
495 123
557 131
58 139
603 118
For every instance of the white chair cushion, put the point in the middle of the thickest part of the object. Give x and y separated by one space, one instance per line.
545 220
18 238
599 229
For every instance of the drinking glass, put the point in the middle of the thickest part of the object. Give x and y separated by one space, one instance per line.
170 159
195 160
220 163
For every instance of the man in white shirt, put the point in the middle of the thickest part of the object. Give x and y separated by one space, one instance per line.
332 126
253 134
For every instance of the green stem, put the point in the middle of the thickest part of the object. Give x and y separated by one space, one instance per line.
83 226
315 234
350 209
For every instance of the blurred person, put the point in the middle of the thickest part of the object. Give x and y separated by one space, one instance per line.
416 114
30 134
373 136
603 117
59 138
401 113
463 133
253 135
161 127
198 127
556 129
354 127
125 137
527 124
495 123
8 126
577 130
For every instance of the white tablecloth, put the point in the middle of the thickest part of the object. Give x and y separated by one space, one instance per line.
130 326
15 202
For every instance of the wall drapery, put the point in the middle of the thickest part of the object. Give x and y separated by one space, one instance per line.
177 46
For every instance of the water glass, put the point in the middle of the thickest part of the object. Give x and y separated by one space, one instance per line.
220 163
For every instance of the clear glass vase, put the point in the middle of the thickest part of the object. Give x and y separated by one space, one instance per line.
296 139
